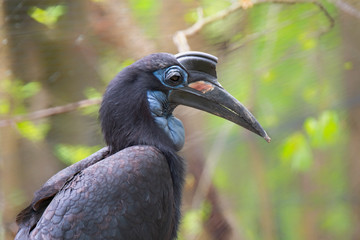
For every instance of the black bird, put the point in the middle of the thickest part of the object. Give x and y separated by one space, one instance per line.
132 188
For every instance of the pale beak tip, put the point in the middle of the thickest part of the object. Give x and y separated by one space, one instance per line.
267 138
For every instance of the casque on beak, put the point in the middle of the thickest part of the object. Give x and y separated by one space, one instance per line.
204 92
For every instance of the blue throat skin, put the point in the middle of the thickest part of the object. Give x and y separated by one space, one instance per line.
162 114
160 108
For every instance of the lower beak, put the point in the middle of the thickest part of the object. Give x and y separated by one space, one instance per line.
206 96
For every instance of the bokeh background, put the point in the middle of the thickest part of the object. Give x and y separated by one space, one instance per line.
295 64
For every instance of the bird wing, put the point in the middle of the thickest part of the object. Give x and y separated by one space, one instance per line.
128 195
28 218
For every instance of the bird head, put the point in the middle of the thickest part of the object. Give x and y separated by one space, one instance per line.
138 104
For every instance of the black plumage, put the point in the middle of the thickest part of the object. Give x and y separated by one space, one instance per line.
131 189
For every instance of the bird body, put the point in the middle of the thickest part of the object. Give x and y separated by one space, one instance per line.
132 188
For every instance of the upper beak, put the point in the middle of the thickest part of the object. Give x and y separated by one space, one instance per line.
203 92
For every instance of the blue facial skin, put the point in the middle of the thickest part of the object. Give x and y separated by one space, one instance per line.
172 126
163 74
159 105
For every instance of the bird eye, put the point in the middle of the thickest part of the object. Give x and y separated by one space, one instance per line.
173 78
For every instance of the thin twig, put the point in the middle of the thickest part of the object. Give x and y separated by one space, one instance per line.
180 40
346 7
180 37
50 111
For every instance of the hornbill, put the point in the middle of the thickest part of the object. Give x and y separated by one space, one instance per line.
132 188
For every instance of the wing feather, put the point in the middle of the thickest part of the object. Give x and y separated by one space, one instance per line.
127 195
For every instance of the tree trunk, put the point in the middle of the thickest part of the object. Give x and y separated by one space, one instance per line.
351 48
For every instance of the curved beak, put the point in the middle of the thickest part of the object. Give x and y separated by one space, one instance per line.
205 93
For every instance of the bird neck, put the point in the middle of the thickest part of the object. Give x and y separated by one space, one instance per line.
131 115
161 111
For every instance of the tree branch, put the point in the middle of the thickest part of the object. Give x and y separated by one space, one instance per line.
181 41
348 8
180 37
50 111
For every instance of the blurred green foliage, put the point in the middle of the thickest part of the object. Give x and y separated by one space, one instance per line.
297 151
91 93
70 154
276 60
146 12
14 93
32 131
110 65
323 132
193 219
279 63
48 16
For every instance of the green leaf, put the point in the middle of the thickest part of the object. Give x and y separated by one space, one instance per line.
30 89
194 218
91 93
70 154
19 90
33 132
325 131
48 16
338 220
191 16
297 152
268 77
4 106
307 42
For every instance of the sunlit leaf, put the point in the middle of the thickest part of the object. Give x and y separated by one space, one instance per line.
268 77
307 42
221 179
33 132
48 16
4 106
324 131
91 93
193 219
191 222
30 89
297 152
19 90
191 16
337 221
70 154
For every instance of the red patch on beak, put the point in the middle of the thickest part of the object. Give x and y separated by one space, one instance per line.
202 86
